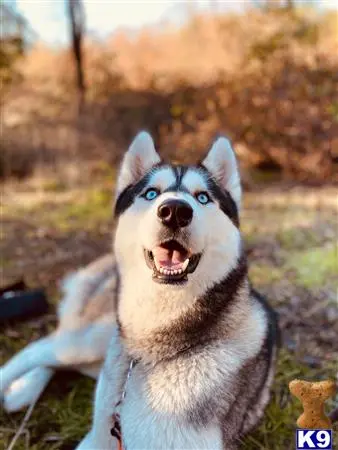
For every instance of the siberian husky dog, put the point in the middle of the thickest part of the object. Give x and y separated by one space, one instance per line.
191 360
86 324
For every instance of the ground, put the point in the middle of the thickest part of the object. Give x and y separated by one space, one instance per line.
291 236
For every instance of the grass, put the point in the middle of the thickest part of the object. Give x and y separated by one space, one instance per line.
61 418
293 261
310 268
315 266
85 208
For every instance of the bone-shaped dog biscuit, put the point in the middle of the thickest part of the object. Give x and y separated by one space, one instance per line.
313 396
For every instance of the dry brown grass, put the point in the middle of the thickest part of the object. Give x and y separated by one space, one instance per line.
268 80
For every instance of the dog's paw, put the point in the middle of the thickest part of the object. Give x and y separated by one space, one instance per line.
6 379
27 389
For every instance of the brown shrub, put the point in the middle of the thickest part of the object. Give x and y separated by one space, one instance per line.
269 80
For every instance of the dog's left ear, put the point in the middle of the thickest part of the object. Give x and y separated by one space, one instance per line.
221 163
138 160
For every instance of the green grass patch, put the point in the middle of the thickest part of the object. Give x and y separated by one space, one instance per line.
88 212
264 274
85 209
311 268
315 267
54 185
298 238
59 420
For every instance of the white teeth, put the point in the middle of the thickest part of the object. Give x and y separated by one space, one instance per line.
173 271
185 265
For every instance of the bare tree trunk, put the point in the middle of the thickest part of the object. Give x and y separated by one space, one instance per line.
273 4
77 22
289 4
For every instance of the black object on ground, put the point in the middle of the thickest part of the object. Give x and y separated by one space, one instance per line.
19 285
16 302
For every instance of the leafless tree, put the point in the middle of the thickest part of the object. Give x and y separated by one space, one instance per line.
274 4
77 26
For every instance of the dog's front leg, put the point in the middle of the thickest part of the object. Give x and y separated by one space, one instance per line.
99 438
107 394
105 398
61 349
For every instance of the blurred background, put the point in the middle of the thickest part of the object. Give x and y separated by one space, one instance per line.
80 78
263 72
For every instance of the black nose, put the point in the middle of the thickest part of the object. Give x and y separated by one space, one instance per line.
175 213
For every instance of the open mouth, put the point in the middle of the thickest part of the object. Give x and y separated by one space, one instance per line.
171 262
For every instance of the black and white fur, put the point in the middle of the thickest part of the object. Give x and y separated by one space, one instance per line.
86 324
204 344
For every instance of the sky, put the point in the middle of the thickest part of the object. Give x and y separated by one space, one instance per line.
48 17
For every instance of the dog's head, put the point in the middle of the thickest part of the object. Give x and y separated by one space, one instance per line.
177 224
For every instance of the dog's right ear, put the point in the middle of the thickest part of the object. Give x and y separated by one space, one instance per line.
138 160
221 163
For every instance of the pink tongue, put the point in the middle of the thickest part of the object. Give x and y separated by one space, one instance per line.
168 258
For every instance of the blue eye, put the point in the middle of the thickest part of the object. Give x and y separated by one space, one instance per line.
203 198
151 194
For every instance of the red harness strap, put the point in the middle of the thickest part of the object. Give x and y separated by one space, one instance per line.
116 431
116 421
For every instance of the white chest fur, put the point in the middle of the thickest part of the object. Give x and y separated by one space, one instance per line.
155 411
154 419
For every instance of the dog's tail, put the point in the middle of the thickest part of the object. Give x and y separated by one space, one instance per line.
80 287
26 390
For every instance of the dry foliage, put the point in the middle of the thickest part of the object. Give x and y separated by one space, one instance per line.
267 79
